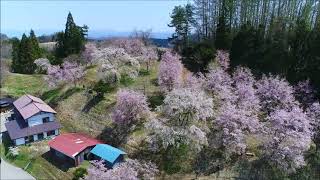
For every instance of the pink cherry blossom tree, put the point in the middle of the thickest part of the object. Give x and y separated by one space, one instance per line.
235 123
162 134
313 112
55 76
219 84
186 105
42 65
88 53
244 90
98 171
133 46
69 72
305 93
195 81
170 72
287 137
238 109
149 55
72 72
130 170
275 93
223 59
181 110
131 107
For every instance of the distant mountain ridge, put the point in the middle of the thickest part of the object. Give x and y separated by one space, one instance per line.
160 42
94 34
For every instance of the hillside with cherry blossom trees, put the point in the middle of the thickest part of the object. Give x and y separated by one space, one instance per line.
222 123
205 123
186 111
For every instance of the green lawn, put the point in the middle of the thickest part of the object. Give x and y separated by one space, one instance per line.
17 85
146 83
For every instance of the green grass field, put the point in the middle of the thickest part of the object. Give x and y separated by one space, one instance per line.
17 85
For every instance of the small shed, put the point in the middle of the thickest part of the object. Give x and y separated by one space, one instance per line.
72 147
109 154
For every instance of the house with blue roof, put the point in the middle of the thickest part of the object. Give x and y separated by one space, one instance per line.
109 154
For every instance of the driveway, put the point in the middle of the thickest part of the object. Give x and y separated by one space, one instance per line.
9 171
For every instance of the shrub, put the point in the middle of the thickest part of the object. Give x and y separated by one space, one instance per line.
101 87
155 100
79 173
144 72
196 58
175 158
126 80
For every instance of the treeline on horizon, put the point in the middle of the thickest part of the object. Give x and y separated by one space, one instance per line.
281 37
25 51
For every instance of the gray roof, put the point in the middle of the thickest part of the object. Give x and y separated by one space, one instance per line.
19 128
28 106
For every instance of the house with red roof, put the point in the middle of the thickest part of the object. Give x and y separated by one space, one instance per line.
32 120
72 147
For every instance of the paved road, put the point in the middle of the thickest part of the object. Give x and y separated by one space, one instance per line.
10 172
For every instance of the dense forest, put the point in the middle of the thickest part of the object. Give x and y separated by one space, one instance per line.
269 36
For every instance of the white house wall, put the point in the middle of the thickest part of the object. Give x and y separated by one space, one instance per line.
37 119
35 137
19 141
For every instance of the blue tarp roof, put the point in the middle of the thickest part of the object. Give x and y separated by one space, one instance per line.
107 152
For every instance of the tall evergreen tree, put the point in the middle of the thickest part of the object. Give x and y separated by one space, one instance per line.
312 69
60 49
243 47
276 58
15 66
35 48
299 42
24 53
71 41
248 48
223 35
25 64
179 21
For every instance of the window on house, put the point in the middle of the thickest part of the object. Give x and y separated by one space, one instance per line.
40 136
45 120
50 133
29 138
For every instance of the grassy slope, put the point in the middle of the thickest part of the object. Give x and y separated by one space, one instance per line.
19 84
69 103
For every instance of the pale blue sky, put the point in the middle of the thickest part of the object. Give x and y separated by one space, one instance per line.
102 17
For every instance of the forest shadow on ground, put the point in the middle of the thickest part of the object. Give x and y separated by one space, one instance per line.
54 97
115 135
92 103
